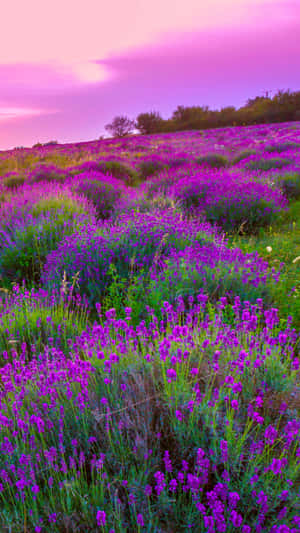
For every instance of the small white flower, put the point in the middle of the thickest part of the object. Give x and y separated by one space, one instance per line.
296 259
269 249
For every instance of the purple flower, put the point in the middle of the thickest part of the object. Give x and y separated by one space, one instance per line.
233 498
167 461
101 518
171 374
277 465
52 518
148 490
270 434
178 415
160 482
140 520
224 450
236 519
235 405
173 485
246 529
35 489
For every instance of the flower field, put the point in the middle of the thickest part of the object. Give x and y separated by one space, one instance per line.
149 334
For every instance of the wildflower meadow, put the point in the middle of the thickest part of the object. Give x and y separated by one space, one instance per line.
149 334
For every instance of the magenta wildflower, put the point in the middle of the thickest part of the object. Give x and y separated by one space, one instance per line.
140 520
101 518
179 415
173 485
224 450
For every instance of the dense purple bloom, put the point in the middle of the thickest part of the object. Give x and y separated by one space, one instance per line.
101 518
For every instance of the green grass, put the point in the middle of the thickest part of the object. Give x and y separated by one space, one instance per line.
277 245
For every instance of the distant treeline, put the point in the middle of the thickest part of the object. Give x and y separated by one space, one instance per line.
282 107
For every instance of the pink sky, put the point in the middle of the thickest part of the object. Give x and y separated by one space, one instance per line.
67 68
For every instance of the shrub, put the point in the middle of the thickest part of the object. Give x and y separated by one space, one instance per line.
159 185
68 205
282 147
87 166
178 162
290 185
149 167
46 172
127 251
13 182
228 200
185 277
132 247
119 170
51 143
242 155
213 160
38 319
267 164
248 216
191 195
103 196
28 246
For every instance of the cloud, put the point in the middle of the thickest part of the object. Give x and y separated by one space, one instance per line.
32 78
67 31
215 68
8 113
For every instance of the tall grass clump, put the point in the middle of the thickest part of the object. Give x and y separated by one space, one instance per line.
25 249
33 319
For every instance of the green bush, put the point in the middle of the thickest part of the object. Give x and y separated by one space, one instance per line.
290 185
29 246
178 162
103 196
242 155
13 182
268 164
190 281
213 160
282 147
40 324
66 204
150 167
190 196
120 170
47 172
245 217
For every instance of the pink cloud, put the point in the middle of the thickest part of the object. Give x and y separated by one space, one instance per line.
9 113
